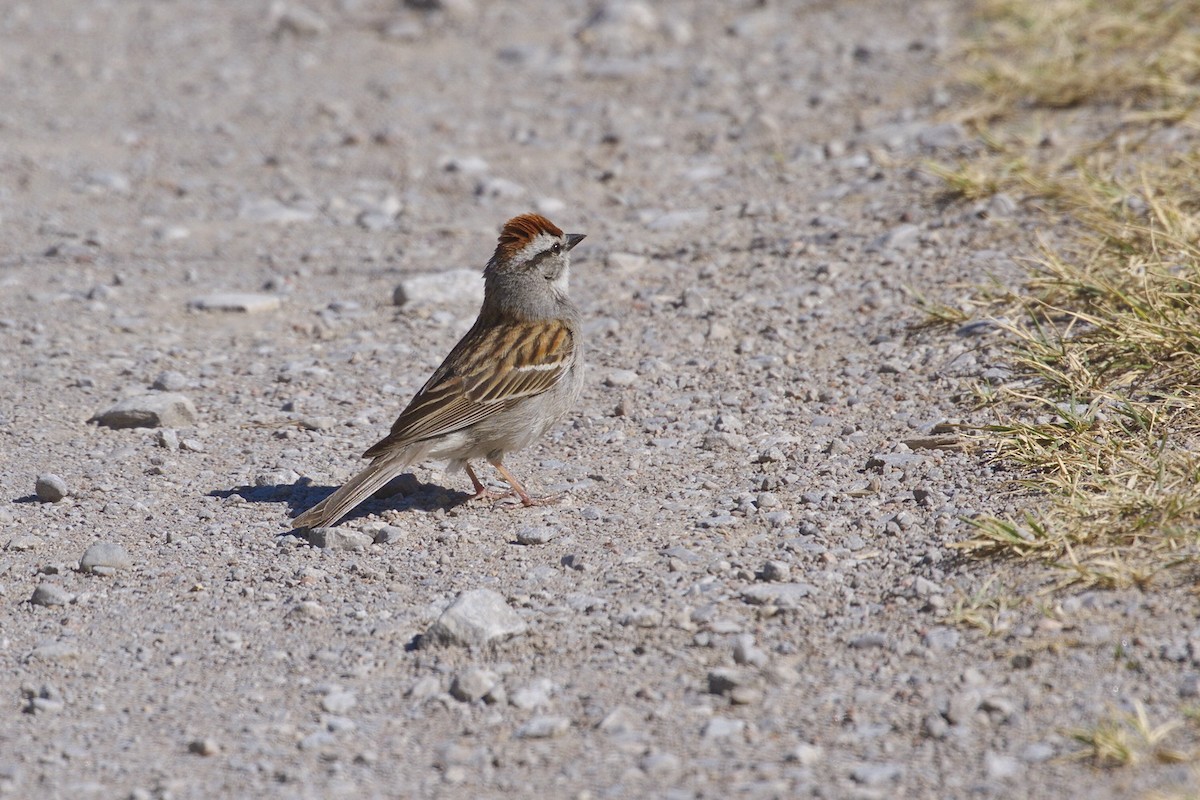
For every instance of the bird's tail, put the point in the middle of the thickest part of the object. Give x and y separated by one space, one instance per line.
357 489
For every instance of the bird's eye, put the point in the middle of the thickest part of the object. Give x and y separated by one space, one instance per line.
556 249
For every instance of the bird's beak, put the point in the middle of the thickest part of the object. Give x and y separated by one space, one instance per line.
574 239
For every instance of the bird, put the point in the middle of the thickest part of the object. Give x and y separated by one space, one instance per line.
512 376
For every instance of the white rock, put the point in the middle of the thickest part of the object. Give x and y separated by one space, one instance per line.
297 20
243 302
104 558
157 410
338 701
472 684
723 728
455 286
50 594
268 210
627 263
544 728
783 595
50 488
476 617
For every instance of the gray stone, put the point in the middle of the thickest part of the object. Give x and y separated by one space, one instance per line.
676 220
783 595
661 765
104 558
1001 767
163 410
50 594
876 774
455 286
544 727
537 535
723 728
724 680
50 488
339 539
806 755
941 639
745 652
270 211
622 721
534 695
169 381
476 617
204 747
1037 752
472 684
338 701
941 135
54 651
297 20
44 705
776 571
168 439
901 237
621 377
388 534
867 641
894 460
241 302
627 263
23 543
935 726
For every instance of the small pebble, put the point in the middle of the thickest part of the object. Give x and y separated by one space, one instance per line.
388 534
476 617
776 571
339 539
23 543
876 774
50 488
104 558
544 727
338 701
472 684
159 410
533 696
745 652
240 302
50 594
452 287
169 381
204 747
782 595
723 728
537 535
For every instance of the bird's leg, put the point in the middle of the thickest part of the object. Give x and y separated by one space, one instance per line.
519 490
482 492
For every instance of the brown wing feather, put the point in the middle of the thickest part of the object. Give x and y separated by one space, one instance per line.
470 386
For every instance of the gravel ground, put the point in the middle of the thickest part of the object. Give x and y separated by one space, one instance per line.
206 209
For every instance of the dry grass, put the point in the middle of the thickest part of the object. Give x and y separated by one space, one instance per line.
1126 739
1104 418
1067 53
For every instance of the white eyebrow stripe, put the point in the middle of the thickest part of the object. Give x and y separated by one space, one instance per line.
536 367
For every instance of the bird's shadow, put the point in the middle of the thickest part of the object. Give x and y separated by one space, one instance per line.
404 493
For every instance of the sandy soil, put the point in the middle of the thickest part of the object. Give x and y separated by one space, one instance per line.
747 590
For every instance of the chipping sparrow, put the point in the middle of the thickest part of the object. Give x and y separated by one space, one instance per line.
509 379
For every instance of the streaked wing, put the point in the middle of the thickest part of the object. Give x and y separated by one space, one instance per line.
487 372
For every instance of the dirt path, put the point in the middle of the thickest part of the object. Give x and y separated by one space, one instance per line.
747 591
